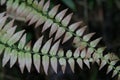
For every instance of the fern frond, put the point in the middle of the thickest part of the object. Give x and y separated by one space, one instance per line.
23 53
35 13
13 44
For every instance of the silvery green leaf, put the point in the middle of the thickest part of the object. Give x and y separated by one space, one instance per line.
98 61
15 37
22 42
67 36
9 5
13 57
53 29
28 61
80 63
46 46
110 68
8 25
39 22
101 49
8 35
72 64
29 16
87 37
26 12
83 53
83 45
62 62
45 63
47 24
54 48
40 4
21 61
67 19
28 46
74 26
76 42
80 31
76 53
53 11
89 52
46 7
54 63
96 56
113 62
37 61
86 61
95 42
103 63
6 56
34 19
2 21
59 33
116 71
112 56
38 44
61 53
15 5
69 54
20 9
118 68
60 15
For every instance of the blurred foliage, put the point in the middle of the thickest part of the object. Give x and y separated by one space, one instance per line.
70 4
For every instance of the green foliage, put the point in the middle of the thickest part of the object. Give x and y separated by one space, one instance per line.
70 4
